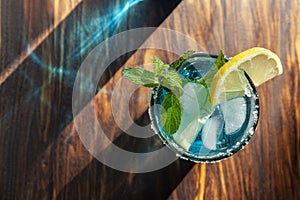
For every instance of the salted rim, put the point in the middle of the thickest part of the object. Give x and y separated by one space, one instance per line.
184 154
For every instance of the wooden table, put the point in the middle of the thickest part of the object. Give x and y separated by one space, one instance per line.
42 48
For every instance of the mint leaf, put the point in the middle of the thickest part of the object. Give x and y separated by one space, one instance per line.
159 66
170 79
177 64
141 76
220 60
166 76
171 116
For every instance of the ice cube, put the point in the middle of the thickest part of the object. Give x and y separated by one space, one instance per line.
211 132
189 72
195 112
234 113
195 100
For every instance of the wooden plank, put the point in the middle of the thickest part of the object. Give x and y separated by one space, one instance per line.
266 155
54 13
67 156
35 103
268 168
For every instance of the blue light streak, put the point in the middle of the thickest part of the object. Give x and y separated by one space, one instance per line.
93 32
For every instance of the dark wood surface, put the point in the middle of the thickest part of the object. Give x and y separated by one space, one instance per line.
42 47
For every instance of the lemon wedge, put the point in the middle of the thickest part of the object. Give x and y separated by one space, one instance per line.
260 64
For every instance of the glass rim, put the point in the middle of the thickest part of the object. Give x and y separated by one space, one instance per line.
187 155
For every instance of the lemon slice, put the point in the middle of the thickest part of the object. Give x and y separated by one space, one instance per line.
260 64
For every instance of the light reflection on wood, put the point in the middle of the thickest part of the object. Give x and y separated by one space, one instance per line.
60 10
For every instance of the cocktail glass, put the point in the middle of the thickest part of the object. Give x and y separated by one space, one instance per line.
207 137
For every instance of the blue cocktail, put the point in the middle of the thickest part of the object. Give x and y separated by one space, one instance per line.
207 133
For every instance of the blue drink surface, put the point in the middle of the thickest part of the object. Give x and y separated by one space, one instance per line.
219 132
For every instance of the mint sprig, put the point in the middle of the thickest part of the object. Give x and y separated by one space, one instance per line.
166 76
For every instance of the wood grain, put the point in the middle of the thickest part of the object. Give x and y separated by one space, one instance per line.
36 98
42 156
269 166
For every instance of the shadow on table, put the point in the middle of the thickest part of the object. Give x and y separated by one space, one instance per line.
36 98
102 182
